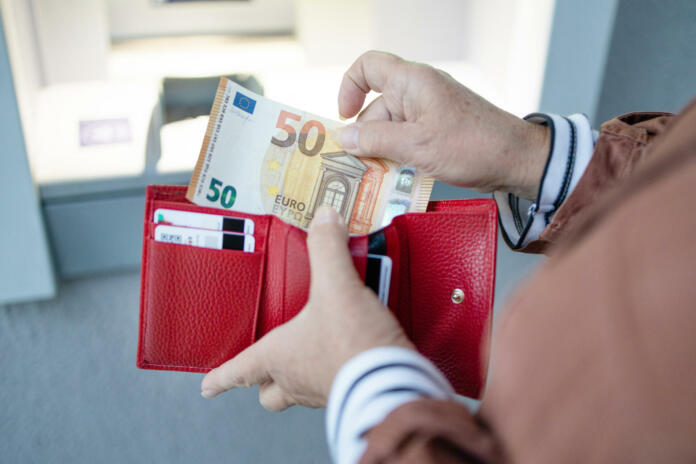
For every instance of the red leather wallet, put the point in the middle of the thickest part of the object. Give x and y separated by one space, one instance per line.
199 307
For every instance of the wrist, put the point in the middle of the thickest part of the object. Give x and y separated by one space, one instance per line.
532 150
398 341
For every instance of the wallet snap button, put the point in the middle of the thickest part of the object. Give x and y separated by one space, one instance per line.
457 296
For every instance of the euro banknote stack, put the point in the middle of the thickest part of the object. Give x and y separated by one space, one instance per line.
262 157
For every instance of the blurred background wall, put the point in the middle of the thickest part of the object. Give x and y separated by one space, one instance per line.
70 391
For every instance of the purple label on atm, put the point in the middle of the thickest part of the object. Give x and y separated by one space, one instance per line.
105 132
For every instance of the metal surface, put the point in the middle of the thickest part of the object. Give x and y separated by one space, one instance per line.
457 296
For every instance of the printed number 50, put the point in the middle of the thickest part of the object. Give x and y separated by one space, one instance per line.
304 133
226 197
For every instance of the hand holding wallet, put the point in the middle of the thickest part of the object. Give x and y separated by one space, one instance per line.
199 307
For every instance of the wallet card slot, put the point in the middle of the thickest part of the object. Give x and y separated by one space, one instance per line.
260 221
200 305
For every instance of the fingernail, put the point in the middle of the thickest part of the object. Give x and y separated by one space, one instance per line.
348 136
209 393
341 117
326 214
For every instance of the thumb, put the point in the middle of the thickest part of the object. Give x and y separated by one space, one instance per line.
329 257
244 370
394 140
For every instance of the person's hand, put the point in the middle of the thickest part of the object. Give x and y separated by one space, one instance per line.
426 119
296 362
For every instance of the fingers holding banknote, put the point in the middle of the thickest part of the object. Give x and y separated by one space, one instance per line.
427 119
296 362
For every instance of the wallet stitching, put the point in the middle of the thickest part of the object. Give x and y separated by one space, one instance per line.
176 366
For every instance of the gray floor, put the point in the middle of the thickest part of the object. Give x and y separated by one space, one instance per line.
70 391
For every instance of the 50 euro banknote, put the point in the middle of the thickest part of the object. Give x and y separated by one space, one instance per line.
262 157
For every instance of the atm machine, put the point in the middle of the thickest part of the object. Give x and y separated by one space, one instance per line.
109 96
113 96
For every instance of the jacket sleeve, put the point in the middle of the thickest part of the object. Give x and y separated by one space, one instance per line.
431 431
621 144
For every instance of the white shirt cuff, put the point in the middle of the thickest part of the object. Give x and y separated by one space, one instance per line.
572 144
371 385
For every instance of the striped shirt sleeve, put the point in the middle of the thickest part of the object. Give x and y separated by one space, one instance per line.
572 144
371 385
